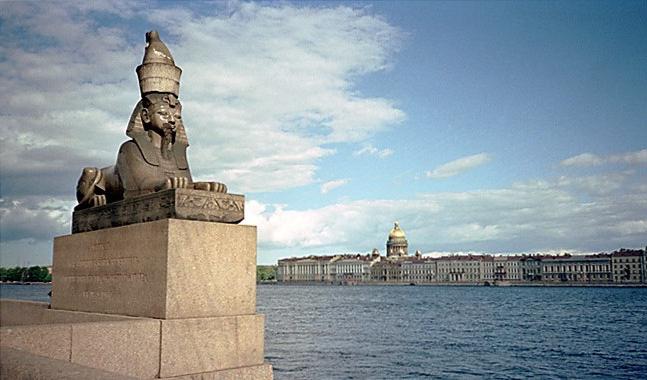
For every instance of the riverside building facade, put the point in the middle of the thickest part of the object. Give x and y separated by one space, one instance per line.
619 267
629 266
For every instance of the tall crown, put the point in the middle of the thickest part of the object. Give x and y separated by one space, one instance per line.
158 72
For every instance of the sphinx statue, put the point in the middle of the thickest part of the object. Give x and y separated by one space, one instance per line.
155 157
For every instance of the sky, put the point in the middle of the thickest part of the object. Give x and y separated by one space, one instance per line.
496 127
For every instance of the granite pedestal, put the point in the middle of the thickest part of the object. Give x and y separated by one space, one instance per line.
169 298
168 268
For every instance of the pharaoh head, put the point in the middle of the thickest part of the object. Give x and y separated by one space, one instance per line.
161 113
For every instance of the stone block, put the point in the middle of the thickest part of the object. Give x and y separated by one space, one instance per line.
212 271
130 347
197 345
163 269
52 341
15 312
21 365
173 203
256 372
18 313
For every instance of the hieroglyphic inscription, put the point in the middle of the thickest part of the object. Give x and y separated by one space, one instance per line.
173 203
210 203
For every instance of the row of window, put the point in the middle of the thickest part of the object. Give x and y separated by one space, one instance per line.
472 267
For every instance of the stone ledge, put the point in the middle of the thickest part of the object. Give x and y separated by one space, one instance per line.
22 365
199 348
173 203
257 372
20 313
200 345
52 341
129 347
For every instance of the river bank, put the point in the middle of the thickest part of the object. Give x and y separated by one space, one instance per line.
459 284
410 332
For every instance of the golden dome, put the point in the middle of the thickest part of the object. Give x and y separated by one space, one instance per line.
396 232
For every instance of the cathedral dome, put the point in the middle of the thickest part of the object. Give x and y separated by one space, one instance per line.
397 245
396 232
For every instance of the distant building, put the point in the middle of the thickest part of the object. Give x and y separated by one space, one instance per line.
460 268
349 268
507 268
530 268
629 266
386 271
623 266
418 270
338 268
397 245
311 268
577 268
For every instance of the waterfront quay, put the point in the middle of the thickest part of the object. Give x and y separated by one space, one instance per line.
445 332
616 268
620 267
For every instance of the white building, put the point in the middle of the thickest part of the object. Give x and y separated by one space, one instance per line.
577 268
629 266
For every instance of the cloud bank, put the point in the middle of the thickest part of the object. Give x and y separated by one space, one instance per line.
525 217
266 90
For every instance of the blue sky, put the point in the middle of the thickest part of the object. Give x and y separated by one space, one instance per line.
480 126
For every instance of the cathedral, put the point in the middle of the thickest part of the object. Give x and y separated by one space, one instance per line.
397 245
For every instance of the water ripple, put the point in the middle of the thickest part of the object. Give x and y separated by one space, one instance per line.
386 332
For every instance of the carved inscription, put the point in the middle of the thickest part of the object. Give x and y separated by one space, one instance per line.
210 203
107 265
101 277
173 203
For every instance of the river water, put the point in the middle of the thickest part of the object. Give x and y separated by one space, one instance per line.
445 332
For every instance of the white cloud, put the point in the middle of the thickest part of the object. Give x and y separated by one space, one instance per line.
370 150
547 252
584 159
595 184
589 159
539 216
459 166
331 185
264 87
277 81
526 217
34 217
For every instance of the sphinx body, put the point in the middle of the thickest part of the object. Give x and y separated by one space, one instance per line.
155 157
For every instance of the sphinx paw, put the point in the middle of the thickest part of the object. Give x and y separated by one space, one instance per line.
177 183
98 200
217 187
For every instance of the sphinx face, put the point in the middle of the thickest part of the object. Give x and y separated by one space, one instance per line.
163 117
